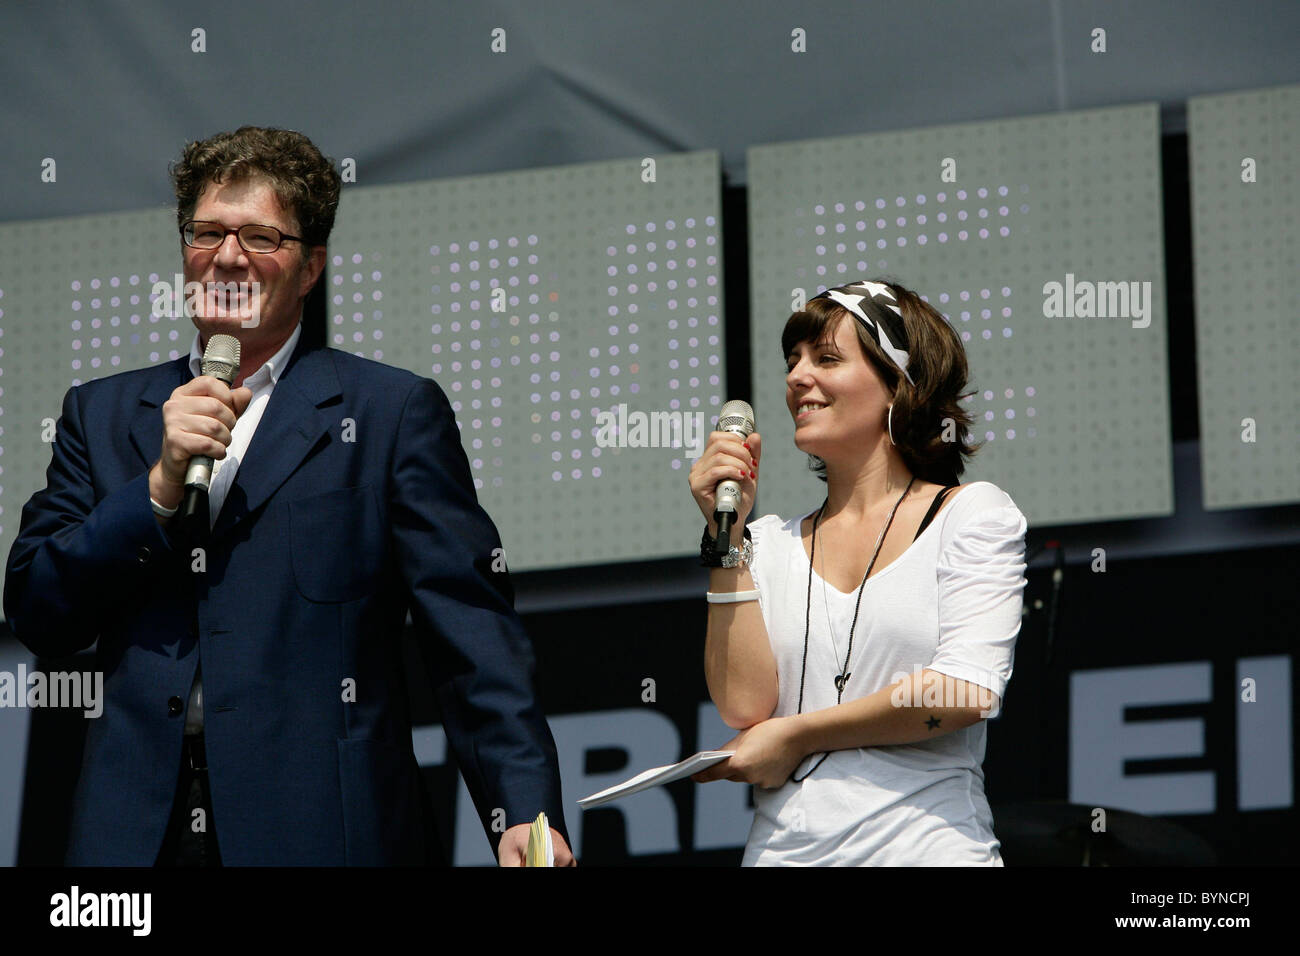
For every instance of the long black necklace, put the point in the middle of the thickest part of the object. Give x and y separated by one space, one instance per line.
843 676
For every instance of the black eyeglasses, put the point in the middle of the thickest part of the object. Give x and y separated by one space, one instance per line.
200 234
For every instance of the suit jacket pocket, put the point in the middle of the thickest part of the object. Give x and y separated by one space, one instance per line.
337 544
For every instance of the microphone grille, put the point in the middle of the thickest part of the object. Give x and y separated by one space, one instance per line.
736 416
221 357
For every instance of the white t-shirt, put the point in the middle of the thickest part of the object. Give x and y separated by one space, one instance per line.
950 603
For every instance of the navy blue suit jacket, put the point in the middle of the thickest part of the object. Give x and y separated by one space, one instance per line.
353 503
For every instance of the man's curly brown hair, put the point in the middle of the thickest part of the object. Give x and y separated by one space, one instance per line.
922 413
304 181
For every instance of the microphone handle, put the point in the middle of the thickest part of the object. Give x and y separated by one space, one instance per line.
194 508
722 543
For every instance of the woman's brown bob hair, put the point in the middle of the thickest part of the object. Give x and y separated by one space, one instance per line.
931 428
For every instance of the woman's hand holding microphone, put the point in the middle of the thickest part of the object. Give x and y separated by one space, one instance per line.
727 457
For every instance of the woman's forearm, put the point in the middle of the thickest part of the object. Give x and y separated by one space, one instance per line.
898 714
738 661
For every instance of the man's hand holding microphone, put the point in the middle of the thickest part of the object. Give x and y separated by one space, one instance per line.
198 421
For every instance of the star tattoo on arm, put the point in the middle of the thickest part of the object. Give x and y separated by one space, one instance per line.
933 722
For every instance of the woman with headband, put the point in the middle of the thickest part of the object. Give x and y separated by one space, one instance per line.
860 647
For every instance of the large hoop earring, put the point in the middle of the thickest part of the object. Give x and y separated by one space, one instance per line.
891 425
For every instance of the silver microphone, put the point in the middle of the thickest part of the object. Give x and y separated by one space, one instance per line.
221 361
738 418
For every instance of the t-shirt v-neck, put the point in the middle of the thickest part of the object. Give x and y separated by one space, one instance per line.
911 548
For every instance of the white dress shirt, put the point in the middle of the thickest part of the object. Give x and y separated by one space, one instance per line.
262 382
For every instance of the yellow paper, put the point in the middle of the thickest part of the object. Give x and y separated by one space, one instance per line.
540 850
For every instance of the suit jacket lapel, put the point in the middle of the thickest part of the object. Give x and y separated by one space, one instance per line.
291 426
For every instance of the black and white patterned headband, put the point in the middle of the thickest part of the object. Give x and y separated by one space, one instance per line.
877 311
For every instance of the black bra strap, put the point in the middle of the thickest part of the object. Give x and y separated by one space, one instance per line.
934 507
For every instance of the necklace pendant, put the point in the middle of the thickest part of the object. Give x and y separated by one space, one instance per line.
841 680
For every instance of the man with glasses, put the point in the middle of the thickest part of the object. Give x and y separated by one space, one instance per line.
261 654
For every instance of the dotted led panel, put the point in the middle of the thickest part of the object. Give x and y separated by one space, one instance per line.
1246 255
558 309
1040 241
